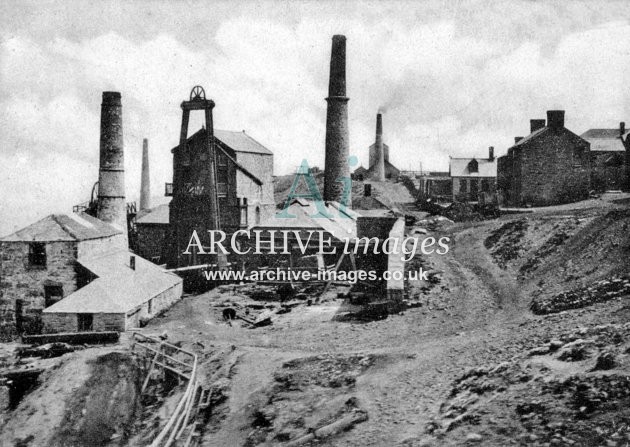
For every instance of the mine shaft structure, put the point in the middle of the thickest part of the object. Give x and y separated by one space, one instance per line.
195 203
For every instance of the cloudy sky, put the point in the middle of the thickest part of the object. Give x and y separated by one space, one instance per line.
454 78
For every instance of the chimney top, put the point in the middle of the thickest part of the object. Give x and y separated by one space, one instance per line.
536 124
111 98
622 128
491 153
337 83
379 124
555 119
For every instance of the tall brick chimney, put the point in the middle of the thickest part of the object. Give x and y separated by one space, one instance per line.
145 179
622 128
379 166
534 125
111 207
491 153
555 119
337 138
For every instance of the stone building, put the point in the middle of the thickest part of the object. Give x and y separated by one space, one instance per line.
608 158
152 232
244 189
549 166
39 265
125 292
473 179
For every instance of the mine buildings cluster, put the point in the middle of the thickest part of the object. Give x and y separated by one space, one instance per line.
109 266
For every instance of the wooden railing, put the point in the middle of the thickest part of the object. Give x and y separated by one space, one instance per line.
165 356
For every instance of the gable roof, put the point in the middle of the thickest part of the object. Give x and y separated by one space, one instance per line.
118 288
486 167
237 141
64 227
604 140
531 136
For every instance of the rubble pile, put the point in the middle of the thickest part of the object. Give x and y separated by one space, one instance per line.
545 250
311 399
573 390
505 243
599 291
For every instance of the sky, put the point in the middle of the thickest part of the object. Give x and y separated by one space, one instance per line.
453 78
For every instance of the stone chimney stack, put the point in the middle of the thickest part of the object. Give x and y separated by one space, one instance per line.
534 125
337 138
622 128
111 206
555 119
379 166
145 180
491 153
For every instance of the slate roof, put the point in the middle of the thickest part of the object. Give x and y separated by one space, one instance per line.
64 227
118 288
531 136
341 224
607 140
238 141
156 215
487 167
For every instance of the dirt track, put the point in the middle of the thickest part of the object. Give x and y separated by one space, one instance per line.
477 315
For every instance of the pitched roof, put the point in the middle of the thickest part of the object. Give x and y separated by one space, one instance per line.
156 215
604 140
118 288
64 227
486 167
341 224
238 141
531 136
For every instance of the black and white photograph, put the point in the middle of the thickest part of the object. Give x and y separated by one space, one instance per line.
313 223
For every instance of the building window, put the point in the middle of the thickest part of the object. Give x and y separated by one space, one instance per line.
463 186
243 206
577 158
37 254
84 322
52 293
257 215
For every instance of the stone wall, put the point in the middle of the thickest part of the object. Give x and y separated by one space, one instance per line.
68 322
552 168
21 281
151 241
607 170
154 307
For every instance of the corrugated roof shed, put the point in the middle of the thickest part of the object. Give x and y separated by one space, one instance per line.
486 167
63 227
118 288
607 140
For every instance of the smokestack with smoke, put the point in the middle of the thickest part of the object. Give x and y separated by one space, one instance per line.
145 180
111 206
379 166
337 138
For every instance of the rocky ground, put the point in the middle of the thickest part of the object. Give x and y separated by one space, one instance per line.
468 364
